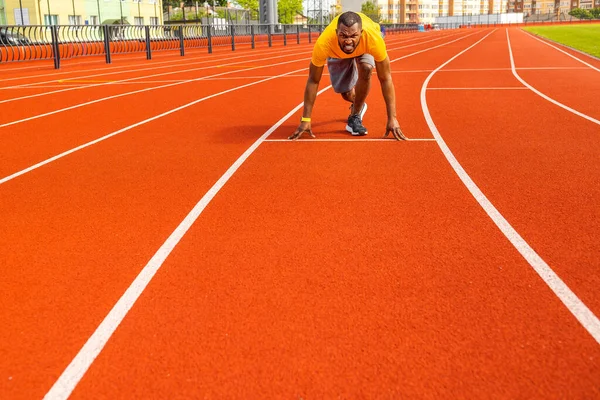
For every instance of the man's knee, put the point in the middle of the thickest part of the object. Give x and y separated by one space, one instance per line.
348 96
364 70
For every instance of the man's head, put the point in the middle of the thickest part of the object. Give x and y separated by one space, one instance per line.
349 29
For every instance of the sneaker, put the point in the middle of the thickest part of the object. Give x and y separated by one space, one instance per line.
355 126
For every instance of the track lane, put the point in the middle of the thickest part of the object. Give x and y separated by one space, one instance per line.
578 90
564 49
192 56
545 189
75 97
95 91
17 156
290 285
106 244
95 219
42 146
91 68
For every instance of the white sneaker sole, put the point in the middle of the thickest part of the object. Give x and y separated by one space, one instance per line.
349 129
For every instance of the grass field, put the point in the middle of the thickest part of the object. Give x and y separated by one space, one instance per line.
581 37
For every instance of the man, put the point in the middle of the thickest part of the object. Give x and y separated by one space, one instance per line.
351 45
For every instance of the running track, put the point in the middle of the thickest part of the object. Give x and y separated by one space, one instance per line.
169 243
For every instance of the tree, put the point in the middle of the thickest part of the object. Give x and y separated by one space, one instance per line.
580 13
371 9
248 4
287 9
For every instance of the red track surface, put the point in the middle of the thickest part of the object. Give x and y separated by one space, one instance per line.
321 269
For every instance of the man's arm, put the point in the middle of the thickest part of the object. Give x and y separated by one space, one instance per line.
310 95
384 73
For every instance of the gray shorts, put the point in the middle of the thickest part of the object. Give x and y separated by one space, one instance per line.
343 72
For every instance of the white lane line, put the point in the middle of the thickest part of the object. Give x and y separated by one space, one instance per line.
280 53
431 48
183 82
550 68
142 91
485 69
423 42
88 144
169 64
353 140
33 167
71 376
551 100
565 52
206 58
583 314
105 83
479 88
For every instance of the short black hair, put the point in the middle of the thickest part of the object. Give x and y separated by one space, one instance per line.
349 18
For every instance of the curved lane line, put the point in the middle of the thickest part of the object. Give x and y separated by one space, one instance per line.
550 99
579 310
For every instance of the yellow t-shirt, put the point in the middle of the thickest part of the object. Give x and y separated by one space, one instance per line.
370 42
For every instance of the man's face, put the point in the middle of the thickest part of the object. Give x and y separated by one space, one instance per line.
348 37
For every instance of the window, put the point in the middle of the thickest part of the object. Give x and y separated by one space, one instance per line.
50 19
21 16
74 19
138 20
93 20
153 20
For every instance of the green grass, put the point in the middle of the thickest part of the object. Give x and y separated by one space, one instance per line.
581 37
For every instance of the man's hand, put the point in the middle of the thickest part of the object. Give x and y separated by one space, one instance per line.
304 127
394 127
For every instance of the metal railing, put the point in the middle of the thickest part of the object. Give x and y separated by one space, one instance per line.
59 42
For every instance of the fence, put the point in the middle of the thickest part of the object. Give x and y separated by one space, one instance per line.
58 42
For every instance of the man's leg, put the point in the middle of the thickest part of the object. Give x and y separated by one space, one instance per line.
365 65
349 96
344 75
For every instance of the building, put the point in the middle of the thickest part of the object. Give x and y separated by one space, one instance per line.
425 11
80 12
300 19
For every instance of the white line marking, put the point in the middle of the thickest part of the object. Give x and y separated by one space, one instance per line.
205 58
83 146
352 140
485 69
68 89
423 42
47 161
552 68
479 88
140 91
71 376
583 314
565 52
177 83
551 100
434 47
